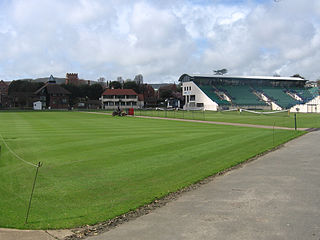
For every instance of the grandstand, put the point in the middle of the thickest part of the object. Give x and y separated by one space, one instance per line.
216 92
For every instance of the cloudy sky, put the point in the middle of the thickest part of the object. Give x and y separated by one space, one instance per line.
159 39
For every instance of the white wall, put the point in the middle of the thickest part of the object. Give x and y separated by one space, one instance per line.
312 106
190 88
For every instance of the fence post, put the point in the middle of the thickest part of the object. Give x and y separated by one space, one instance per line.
34 183
295 121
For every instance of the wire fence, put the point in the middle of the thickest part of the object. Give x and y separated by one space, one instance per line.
277 118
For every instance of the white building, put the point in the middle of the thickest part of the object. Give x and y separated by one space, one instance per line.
124 98
215 92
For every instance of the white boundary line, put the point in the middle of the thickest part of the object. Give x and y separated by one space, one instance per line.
14 154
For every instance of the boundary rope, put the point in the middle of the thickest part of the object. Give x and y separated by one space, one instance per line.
16 155
250 111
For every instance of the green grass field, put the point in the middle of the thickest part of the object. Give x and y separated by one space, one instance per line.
96 167
309 120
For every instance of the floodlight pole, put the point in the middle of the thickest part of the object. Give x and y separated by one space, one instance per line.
295 121
34 183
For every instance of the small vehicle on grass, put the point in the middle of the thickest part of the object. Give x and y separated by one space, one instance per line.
119 112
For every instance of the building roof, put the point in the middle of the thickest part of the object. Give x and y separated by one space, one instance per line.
119 92
53 88
51 79
4 83
243 77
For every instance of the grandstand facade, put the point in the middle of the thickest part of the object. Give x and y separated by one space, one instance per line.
217 92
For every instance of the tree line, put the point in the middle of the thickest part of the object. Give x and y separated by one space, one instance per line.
22 91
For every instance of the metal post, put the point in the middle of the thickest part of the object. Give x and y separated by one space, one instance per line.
34 183
274 123
295 121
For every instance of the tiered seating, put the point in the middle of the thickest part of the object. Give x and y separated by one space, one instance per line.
306 94
209 91
278 95
242 95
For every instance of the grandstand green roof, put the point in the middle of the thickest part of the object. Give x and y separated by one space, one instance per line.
190 77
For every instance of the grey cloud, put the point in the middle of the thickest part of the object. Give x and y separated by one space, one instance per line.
161 40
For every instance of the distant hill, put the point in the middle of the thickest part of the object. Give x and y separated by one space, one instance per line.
156 86
45 79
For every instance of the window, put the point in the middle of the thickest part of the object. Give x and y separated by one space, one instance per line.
134 103
131 96
120 96
199 104
123 103
192 97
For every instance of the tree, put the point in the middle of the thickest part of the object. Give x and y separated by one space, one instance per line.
95 91
24 86
165 94
115 85
220 71
149 94
131 85
297 75
21 92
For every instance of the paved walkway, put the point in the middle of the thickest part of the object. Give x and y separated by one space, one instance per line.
14 234
275 197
